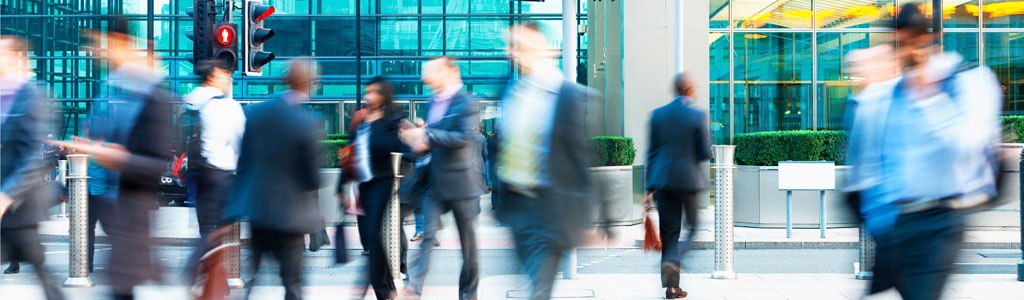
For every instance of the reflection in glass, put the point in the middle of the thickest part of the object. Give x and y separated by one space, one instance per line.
771 14
1003 13
773 73
719 14
960 13
964 43
1004 53
855 14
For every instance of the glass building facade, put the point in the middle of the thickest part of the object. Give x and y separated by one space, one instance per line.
785 57
353 41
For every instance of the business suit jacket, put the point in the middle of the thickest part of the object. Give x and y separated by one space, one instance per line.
561 203
383 141
679 142
21 161
278 175
454 152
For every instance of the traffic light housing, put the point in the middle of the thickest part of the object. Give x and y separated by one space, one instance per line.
203 13
225 44
254 35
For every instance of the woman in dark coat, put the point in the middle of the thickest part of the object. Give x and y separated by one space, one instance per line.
375 140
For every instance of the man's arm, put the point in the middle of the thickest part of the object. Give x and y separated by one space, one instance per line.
30 169
703 139
462 134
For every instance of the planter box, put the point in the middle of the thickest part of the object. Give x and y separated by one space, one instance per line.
619 191
759 203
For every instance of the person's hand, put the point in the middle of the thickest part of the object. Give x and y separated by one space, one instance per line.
415 138
649 200
111 156
5 202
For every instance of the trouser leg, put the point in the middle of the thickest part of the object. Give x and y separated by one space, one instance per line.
24 245
465 213
670 212
432 210
928 252
288 252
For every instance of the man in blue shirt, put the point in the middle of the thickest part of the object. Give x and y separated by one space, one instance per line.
921 148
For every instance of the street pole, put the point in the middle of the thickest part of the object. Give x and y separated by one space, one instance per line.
723 212
78 239
1020 264
235 257
569 33
62 178
394 222
867 255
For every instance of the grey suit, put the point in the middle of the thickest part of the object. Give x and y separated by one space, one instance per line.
276 185
456 186
679 143
21 161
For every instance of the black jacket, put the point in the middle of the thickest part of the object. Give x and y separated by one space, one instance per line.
278 169
679 142
21 161
383 141
455 154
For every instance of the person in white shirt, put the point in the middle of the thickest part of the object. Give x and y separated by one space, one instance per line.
212 147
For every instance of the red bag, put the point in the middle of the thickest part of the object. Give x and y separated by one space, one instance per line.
652 240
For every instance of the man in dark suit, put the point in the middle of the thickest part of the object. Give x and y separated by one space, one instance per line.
542 162
22 128
277 181
454 170
136 153
679 143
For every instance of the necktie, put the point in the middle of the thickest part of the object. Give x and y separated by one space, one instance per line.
519 161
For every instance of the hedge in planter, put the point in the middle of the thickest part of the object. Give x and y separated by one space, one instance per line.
1013 129
613 150
770 147
330 152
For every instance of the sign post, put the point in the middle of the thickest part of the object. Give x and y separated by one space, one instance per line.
817 176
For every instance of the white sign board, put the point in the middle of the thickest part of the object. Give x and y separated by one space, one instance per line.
807 175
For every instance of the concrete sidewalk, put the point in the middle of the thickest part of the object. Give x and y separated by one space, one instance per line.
177 226
610 287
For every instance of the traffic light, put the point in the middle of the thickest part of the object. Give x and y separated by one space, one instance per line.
203 13
254 35
225 44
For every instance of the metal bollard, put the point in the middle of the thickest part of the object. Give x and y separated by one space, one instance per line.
393 226
867 255
569 266
235 258
78 239
62 178
723 212
1020 264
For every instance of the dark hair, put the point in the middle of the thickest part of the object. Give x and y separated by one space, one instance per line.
529 24
683 84
912 20
205 68
387 93
119 26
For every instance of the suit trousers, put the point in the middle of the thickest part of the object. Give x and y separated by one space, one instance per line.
465 213
671 205
213 188
287 250
375 195
541 241
99 212
917 255
22 245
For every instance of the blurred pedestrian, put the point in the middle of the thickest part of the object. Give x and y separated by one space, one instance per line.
24 198
278 177
136 154
454 171
940 121
679 142
212 148
100 205
375 140
542 162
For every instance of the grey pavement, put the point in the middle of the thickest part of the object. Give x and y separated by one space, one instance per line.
609 286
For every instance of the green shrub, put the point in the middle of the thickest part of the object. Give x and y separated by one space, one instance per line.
1013 129
613 150
770 147
339 136
330 152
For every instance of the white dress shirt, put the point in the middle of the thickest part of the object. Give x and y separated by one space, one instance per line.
223 123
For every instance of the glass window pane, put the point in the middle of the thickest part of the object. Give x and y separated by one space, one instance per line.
488 36
399 6
835 86
337 6
1004 53
457 34
539 7
964 43
960 13
289 7
432 35
458 6
493 6
772 14
334 36
772 72
841 14
397 35
719 14
291 36
718 89
432 6
1003 13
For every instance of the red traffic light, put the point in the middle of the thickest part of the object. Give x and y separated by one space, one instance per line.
262 12
225 35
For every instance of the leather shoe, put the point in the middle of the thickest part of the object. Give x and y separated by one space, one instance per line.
14 268
675 293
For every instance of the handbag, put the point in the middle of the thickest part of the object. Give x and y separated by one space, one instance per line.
318 239
652 239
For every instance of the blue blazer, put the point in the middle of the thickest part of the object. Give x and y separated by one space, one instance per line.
679 142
